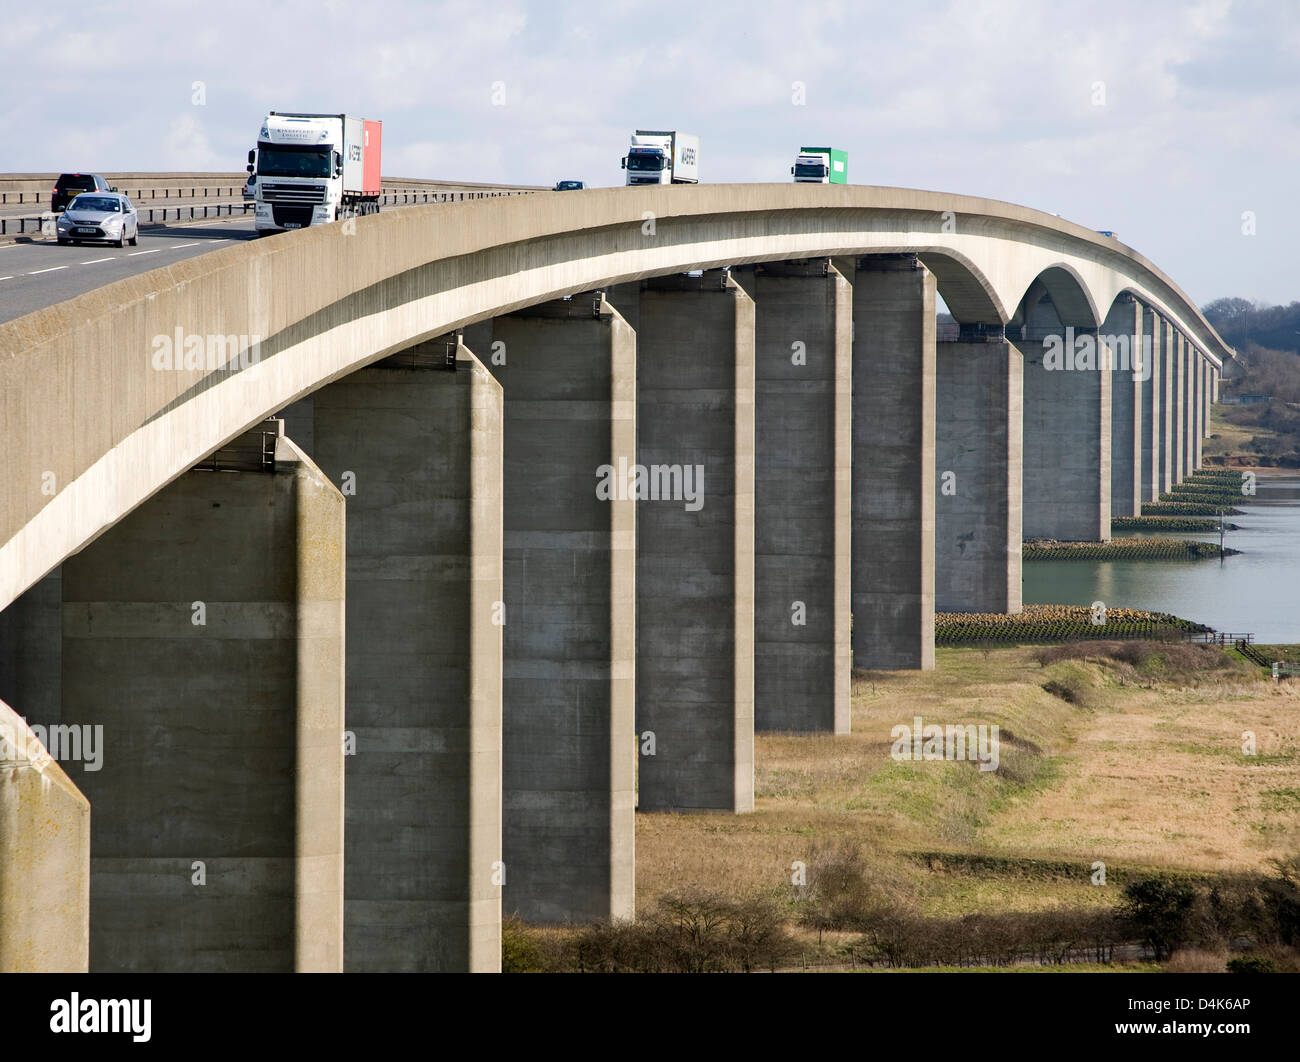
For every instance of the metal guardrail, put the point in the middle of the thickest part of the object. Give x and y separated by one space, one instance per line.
162 214
1218 638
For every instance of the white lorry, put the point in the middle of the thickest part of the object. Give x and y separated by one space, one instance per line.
662 157
312 169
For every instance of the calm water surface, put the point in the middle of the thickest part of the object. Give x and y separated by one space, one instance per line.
1256 592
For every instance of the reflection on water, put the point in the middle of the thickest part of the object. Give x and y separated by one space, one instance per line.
1258 591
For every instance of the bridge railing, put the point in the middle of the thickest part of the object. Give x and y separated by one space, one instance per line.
9 226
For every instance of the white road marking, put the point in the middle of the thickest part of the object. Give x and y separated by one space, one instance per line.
133 254
177 247
52 269
6 278
96 261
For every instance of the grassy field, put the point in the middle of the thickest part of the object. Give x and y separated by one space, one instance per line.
1120 767
1139 767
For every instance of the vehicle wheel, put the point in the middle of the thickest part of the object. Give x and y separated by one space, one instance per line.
135 240
63 242
121 241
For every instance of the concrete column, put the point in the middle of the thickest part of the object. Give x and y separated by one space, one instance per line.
979 458
1179 412
1214 386
418 451
1152 394
568 372
1067 482
1198 406
893 463
1206 388
802 506
695 549
1123 336
44 857
1168 395
204 635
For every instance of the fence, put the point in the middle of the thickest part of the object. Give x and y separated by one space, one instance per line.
195 212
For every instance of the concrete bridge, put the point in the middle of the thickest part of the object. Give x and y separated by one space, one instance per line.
561 524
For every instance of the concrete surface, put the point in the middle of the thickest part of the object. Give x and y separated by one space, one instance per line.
568 373
1125 320
1067 480
44 858
695 567
222 752
979 463
893 463
803 346
424 449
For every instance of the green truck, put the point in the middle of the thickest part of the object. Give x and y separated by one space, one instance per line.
821 165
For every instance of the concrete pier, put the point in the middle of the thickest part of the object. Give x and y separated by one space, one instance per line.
568 373
44 857
1067 481
417 448
802 519
1168 419
1152 399
695 554
1124 325
1178 464
893 463
978 466
204 634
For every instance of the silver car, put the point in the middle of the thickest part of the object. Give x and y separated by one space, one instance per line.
100 216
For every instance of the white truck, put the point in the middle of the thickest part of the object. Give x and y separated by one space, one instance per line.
658 156
312 169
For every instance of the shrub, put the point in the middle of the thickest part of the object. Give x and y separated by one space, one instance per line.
1251 964
1159 908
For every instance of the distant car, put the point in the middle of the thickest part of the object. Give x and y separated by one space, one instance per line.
73 184
100 217
568 186
250 187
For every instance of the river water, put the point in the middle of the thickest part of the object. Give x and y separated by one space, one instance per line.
1256 592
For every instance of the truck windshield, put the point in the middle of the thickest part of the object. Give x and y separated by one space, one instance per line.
809 169
653 162
280 161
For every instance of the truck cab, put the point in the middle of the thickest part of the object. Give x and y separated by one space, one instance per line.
312 169
820 165
658 156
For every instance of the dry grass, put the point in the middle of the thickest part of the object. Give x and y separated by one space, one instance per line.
1143 771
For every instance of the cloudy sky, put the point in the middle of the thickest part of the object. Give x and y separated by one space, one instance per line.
1163 121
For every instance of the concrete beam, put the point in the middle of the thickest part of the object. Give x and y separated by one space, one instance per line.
1067 479
893 463
204 635
568 372
695 555
44 857
803 515
418 449
979 461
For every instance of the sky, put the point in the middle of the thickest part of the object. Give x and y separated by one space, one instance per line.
1173 124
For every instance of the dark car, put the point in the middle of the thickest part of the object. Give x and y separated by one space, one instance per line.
568 186
73 184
